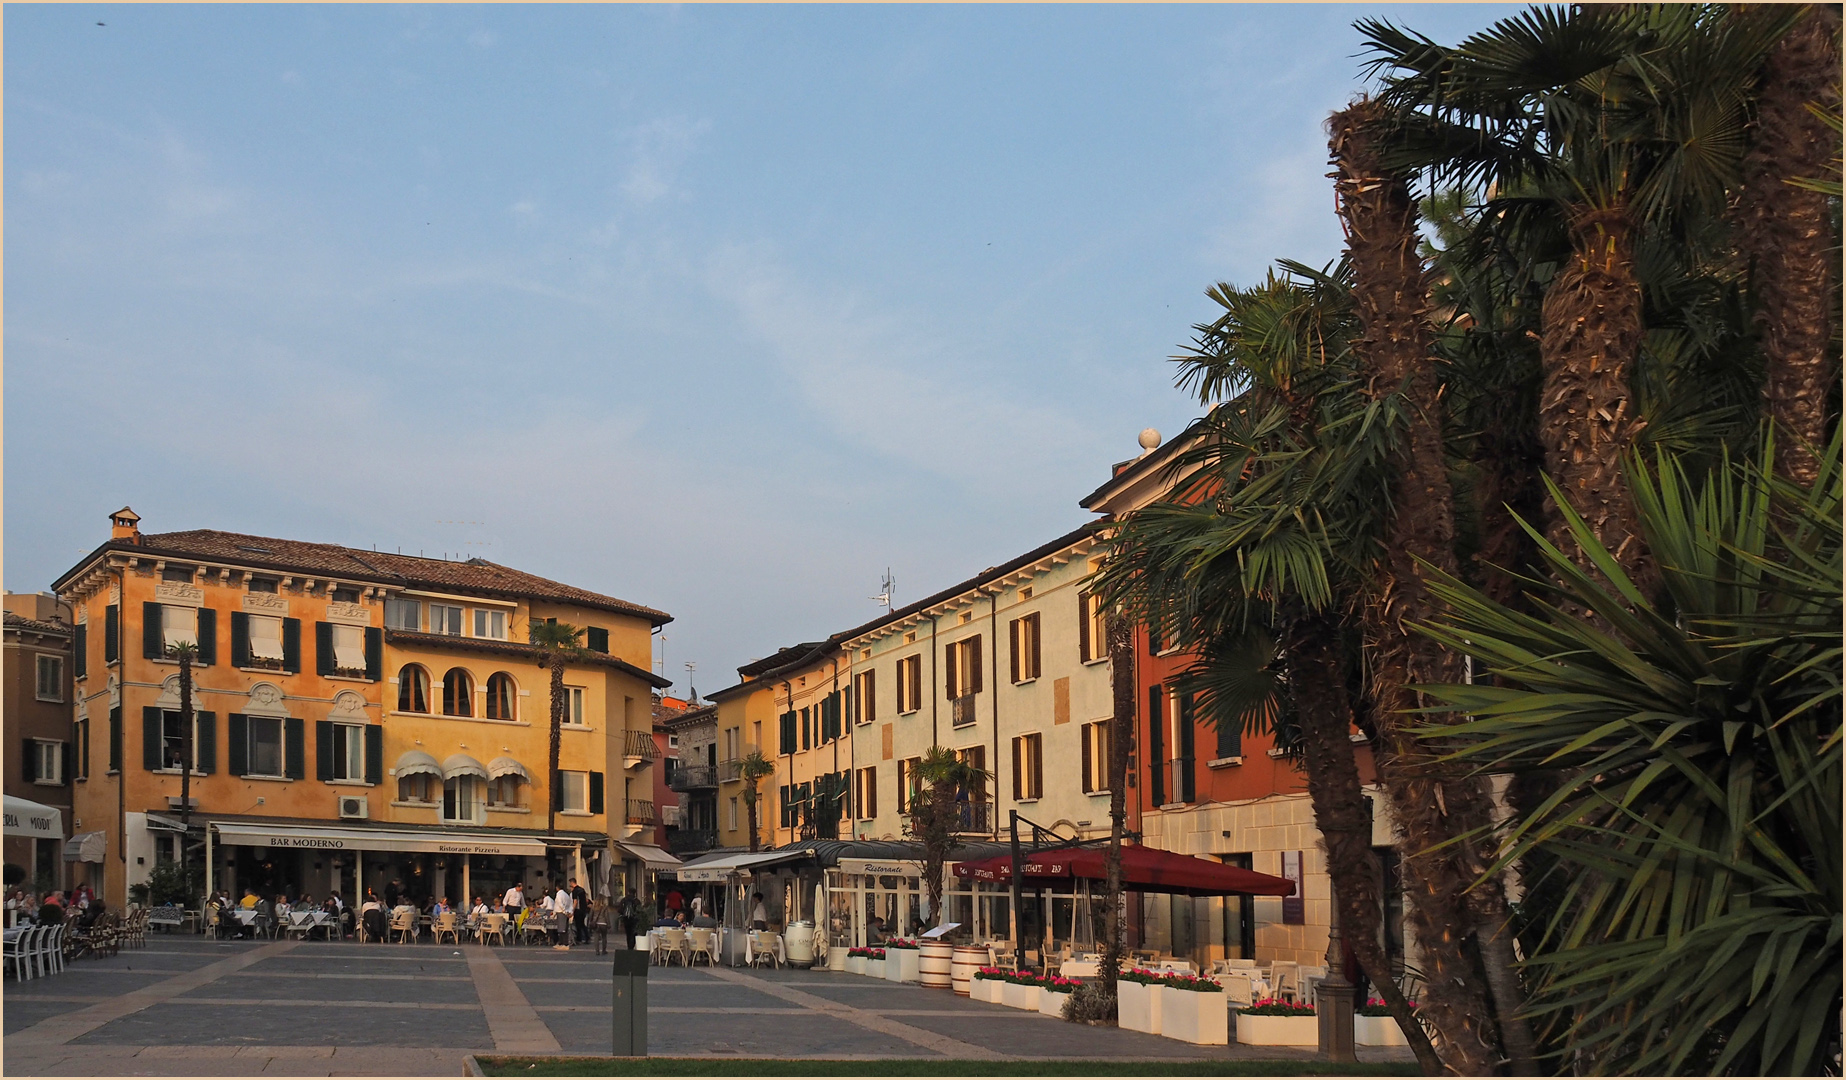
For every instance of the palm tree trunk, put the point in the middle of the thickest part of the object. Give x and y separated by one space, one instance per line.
1121 745
1786 233
185 758
1434 804
1325 718
556 663
750 813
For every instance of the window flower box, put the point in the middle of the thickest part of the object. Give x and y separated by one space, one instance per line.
1138 1001
1272 1022
1195 1010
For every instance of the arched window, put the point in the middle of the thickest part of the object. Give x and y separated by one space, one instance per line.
416 788
457 693
500 696
412 689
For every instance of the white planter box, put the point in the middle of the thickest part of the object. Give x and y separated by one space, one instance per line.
1051 1002
875 968
1137 1006
836 957
1278 1030
903 965
1019 996
855 965
987 990
1378 1031
1196 1017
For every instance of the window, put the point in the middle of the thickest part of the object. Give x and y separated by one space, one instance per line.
178 625
865 693
174 572
457 693
80 737
1028 767
51 678
962 663
1092 636
573 790
490 624
265 746
907 783
416 788
1025 592
733 818
348 650
445 619
348 752
909 684
865 794
403 614
505 791
976 758
1025 659
786 745
48 761
596 639
413 689
265 639
1096 757
1230 740
261 584
500 696
345 594
461 798
573 706
170 735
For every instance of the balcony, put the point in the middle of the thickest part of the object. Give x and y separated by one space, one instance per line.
961 710
691 841
693 778
731 770
640 812
974 817
639 748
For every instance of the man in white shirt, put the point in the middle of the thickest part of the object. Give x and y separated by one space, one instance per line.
515 901
561 905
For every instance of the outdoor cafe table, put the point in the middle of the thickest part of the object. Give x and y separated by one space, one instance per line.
1088 968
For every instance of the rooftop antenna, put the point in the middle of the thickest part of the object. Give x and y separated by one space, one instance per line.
691 666
885 596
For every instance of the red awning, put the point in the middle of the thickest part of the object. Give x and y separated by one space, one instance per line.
1144 869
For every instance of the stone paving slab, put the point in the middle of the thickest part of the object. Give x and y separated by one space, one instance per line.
356 987
747 1035
310 1025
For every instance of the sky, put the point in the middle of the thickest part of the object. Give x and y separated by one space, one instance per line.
723 310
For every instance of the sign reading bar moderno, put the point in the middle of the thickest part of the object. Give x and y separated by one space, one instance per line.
366 840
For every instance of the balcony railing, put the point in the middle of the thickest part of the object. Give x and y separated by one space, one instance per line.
974 817
691 841
640 812
693 778
640 744
730 770
962 710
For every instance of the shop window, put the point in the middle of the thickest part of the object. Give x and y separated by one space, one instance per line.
413 689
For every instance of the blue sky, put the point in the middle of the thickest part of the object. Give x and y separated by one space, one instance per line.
719 309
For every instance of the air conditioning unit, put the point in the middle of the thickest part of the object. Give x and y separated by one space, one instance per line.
353 806
173 803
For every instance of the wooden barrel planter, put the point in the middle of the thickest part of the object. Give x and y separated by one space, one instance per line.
967 960
937 964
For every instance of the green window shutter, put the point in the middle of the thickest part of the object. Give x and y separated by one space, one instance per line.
1185 749
150 738
1230 740
208 637
207 749
1037 666
83 748
323 648
30 756
112 634
596 793
115 738
291 646
153 645
374 753
240 639
1019 771
950 687
238 760
80 655
294 748
374 653
323 749
67 763
596 639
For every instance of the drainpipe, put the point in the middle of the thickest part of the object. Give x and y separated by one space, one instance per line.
789 689
935 689
847 724
121 772
993 683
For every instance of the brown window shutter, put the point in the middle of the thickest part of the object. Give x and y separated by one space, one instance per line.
1087 786
948 664
1083 626
975 685
1013 636
1033 630
1038 766
1019 774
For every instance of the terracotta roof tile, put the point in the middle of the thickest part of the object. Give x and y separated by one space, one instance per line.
43 626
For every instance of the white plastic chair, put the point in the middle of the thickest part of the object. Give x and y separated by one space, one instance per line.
673 942
702 941
494 925
1285 979
404 923
445 924
21 952
1236 987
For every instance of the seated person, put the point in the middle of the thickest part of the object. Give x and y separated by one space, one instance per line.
372 917
704 921
875 933
668 921
248 903
476 912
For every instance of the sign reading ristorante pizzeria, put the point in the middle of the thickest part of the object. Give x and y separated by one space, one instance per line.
333 840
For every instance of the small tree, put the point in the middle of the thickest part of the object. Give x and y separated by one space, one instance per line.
935 814
751 770
558 646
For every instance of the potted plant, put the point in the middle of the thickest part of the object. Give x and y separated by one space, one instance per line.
986 984
1194 1010
902 960
875 963
1053 992
1373 1025
856 960
837 956
1020 990
1137 1000
1274 1022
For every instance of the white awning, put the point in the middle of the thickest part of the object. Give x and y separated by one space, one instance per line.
293 836
506 766
720 867
416 761
155 821
86 847
27 818
654 857
462 765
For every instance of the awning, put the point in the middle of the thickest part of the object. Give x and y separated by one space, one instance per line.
720 867
655 858
1144 869
413 762
155 821
291 836
462 765
85 847
506 766
27 818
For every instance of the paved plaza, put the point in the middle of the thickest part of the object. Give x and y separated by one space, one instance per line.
187 1006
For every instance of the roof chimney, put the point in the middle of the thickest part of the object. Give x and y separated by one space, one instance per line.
125 524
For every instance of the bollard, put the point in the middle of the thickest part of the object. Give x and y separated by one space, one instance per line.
629 1002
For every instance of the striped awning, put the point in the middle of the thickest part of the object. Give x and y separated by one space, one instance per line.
416 761
462 765
506 766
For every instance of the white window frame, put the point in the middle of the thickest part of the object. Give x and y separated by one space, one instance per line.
250 730
489 623
354 735
50 689
164 756
48 768
476 799
574 707
250 636
171 635
395 606
733 813
348 650
569 779
441 625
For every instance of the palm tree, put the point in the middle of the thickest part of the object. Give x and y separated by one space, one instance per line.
558 645
752 769
1394 350
943 780
1120 636
187 653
